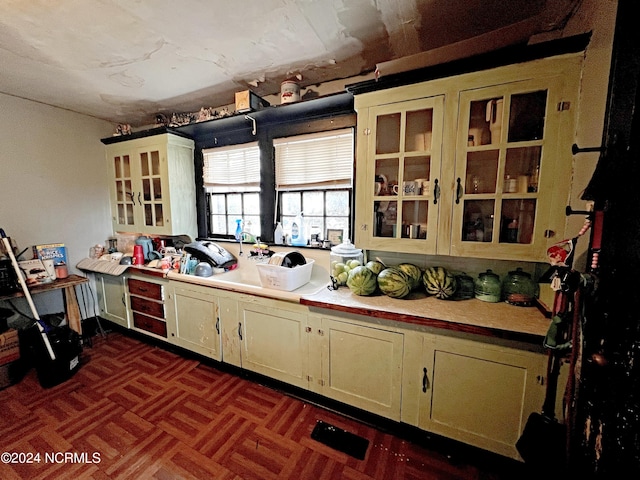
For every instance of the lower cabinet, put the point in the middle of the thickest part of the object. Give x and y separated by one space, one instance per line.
359 365
112 298
193 319
476 390
274 340
478 393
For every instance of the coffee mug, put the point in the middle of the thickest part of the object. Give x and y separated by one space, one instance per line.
410 187
423 186
394 189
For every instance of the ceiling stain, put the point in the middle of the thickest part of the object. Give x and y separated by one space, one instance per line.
126 61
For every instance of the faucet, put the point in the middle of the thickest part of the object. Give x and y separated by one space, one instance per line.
246 237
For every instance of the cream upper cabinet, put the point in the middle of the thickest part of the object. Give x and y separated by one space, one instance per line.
475 165
152 185
513 159
399 178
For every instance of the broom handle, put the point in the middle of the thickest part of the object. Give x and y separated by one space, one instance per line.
553 371
560 304
26 292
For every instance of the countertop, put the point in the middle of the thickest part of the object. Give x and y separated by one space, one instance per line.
471 316
474 316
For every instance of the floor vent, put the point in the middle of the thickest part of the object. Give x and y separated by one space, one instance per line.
340 440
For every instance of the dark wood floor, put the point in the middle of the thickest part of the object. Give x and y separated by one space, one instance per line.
135 410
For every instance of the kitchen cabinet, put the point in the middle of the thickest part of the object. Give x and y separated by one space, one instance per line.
400 160
193 319
475 392
146 299
152 185
360 365
473 165
274 339
112 298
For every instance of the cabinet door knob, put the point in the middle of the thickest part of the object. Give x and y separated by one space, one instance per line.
218 325
240 330
458 190
436 191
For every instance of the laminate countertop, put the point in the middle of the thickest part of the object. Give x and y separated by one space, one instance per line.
500 320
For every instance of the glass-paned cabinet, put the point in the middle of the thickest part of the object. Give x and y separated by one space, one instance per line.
505 161
151 188
152 185
123 201
476 165
403 173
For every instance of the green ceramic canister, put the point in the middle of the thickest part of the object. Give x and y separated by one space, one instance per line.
487 287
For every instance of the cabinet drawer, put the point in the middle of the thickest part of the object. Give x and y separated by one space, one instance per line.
150 324
145 289
149 307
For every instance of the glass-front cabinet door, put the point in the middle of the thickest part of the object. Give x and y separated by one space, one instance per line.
403 173
150 196
505 153
123 202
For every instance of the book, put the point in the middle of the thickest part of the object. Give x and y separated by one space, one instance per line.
54 251
34 271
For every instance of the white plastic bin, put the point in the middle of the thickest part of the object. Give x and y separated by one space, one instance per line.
283 278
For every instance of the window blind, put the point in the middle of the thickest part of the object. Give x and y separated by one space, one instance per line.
232 169
318 160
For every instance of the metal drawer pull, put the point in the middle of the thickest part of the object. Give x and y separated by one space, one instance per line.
240 330
425 380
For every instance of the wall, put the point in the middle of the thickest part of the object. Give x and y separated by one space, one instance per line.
53 186
599 17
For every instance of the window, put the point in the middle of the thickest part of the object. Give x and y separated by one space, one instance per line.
314 175
232 181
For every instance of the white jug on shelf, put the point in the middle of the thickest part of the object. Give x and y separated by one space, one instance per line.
494 118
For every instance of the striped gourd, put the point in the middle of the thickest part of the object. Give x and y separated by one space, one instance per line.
439 282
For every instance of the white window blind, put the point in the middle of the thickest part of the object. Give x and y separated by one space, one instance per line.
318 160
232 169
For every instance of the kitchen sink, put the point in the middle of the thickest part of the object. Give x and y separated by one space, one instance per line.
246 279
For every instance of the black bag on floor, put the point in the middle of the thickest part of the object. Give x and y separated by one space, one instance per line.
66 346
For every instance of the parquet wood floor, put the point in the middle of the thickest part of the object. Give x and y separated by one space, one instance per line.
136 411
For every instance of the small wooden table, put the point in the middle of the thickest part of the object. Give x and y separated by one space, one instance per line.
69 292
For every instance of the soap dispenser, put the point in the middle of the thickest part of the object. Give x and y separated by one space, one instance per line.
238 229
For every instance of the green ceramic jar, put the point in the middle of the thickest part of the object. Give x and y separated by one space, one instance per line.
519 289
487 287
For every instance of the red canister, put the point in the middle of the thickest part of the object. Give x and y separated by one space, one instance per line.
138 255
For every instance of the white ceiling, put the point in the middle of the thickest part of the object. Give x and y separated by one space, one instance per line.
127 60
